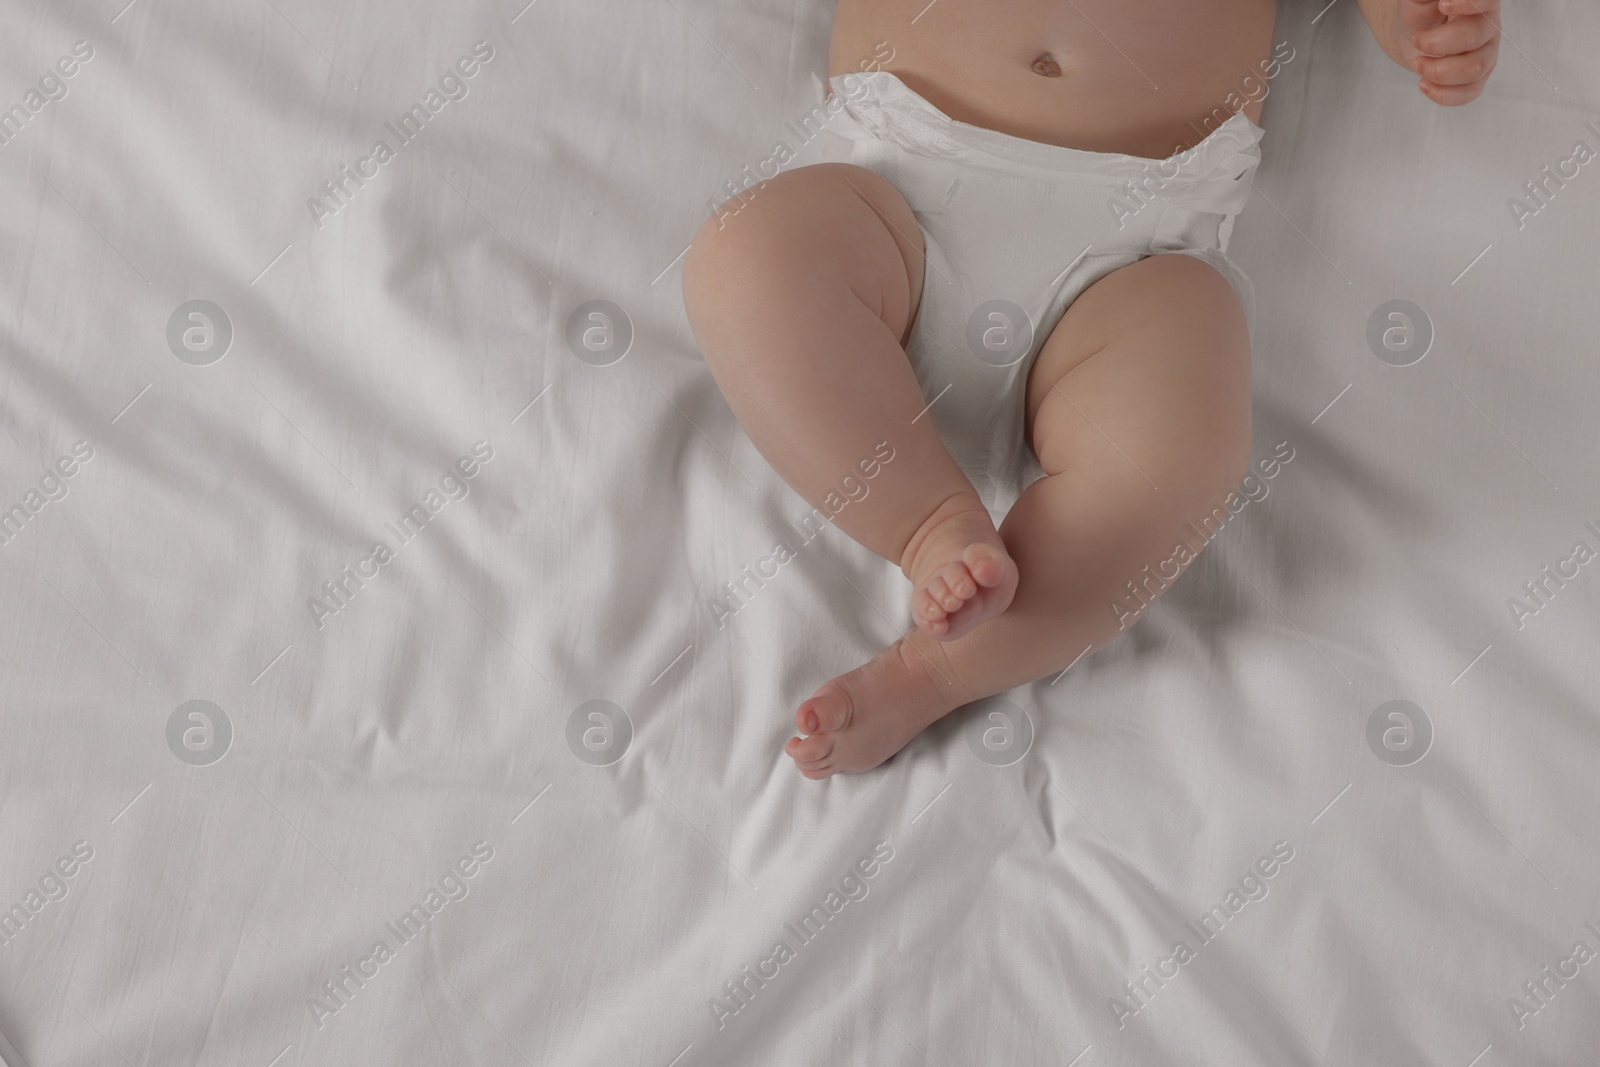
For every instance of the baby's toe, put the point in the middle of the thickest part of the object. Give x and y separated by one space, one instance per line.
827 710
935 625
987 564
810 751
940 590
960 583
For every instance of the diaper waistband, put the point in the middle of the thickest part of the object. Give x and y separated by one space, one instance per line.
1210 177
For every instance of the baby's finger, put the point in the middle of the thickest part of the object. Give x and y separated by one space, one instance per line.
1456 36
1468 69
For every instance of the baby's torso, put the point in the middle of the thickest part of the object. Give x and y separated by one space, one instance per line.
1141 77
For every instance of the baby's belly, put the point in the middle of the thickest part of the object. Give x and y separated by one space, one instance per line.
1142 77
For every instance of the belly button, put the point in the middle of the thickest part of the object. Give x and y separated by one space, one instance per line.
1047 66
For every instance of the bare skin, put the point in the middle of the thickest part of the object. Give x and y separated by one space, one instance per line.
1138 404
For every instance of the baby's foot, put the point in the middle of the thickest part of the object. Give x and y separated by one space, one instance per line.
860 719
960 571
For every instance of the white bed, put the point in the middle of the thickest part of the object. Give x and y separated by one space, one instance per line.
368 751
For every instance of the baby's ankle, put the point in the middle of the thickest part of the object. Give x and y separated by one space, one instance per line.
963 508
931 663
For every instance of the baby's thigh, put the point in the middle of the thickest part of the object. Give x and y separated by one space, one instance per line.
1145 382
812 233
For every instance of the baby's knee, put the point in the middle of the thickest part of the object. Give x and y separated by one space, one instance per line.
811 225
1222 476
799 202
1233 460
738 211
718 257
744 233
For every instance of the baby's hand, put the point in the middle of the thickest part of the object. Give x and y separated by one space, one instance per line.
1451 44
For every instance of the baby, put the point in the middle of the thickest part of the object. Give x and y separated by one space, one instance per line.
1010 271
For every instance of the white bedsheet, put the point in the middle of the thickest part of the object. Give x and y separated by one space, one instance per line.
381 751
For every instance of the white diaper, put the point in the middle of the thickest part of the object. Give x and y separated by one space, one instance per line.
1013 225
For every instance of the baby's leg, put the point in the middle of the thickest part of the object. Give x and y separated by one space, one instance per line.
1139 412
801 302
